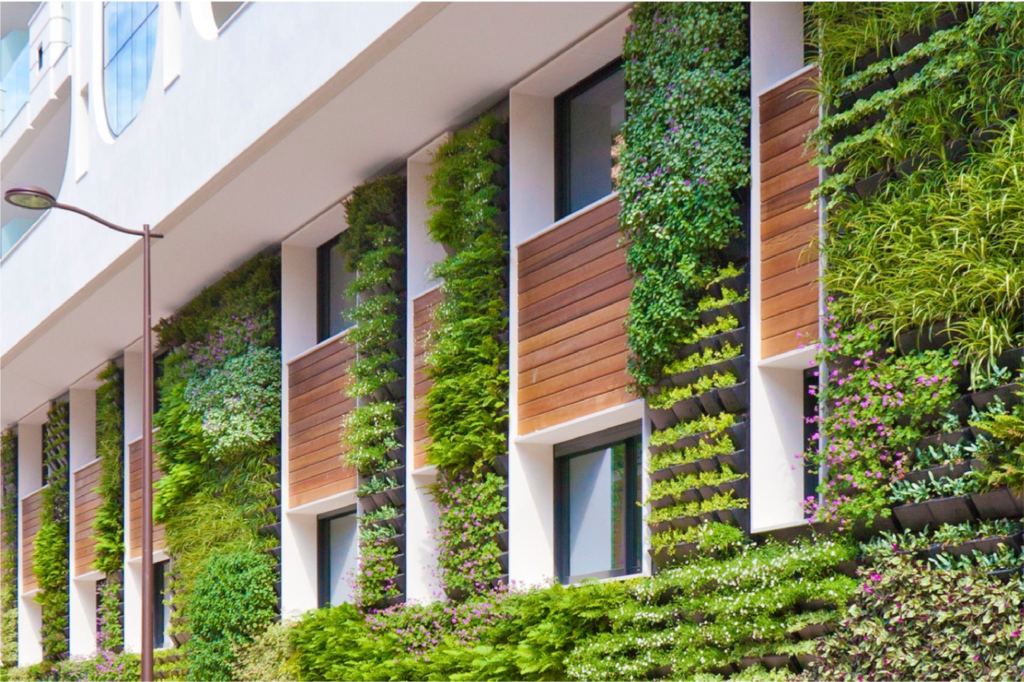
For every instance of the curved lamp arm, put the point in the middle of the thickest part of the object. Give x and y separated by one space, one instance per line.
105 223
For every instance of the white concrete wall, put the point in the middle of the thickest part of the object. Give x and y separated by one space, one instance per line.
30 479
82 592
776 393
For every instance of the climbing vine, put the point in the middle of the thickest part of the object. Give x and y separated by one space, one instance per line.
374 249
52 565
108 526
467 356
687 118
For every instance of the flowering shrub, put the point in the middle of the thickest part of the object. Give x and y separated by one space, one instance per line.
377 570
469 508
910 623
878 408
688 110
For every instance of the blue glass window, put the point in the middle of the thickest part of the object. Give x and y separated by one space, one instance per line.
129 43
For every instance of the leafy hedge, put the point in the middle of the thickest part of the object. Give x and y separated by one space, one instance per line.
374 248
688 113
52 541
9 548
218 447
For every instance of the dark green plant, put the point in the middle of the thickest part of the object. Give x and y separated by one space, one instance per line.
688 111
232 602
1005 463
910 623
108 526
52 543
9 548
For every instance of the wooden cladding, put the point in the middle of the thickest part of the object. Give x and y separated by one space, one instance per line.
423 318
574 291
87 501
316 405
789 261
31 516
135 501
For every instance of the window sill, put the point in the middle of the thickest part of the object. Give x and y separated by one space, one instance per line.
326 342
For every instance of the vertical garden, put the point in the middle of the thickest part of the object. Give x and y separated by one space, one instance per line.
9 548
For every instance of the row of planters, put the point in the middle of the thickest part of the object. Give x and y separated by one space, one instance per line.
699 460
374 432
467 358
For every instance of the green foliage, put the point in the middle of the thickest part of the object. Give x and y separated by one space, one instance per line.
266 657
709 537
1006 468
716 502
105 665
671 395
232 601
941 240
108 526
52 542
705 448
909 623
680 484
712 425
467 406
611 630
688 111
9 549
469 508
219 419
708 356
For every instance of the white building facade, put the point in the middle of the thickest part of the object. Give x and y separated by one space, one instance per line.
235 128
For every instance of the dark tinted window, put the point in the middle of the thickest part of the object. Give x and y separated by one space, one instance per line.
333 303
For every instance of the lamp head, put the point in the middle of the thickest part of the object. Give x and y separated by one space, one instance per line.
30 197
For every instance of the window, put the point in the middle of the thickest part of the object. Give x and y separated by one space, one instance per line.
129 42
811 474
597 520
223 11
161 610
332 280
337 556
588 123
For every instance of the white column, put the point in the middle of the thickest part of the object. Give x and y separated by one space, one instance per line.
132 569
531 466
30 479
83 592
298 334
776 394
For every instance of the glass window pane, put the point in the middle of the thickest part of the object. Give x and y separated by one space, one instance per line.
595 119
340 303
343 558
596 503
139 75
139 12
123 63
151 25
110 92
124 23
109 32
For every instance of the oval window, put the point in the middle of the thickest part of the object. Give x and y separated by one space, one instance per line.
129 43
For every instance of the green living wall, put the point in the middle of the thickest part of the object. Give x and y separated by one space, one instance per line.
374 249
108 525
218 448
9 548
52 541
467 357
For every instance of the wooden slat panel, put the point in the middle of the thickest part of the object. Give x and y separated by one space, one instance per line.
31 510
135 501
789 268
792 340
574 292
422 312
87 501
317 403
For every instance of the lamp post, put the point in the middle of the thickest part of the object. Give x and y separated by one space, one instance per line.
38 199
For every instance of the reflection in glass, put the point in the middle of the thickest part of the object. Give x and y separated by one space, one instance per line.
343 557
129 31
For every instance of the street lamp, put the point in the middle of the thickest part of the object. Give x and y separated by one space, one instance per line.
38 199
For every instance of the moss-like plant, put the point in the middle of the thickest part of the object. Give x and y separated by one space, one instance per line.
688 111
52 540
670 396
713 425
9 548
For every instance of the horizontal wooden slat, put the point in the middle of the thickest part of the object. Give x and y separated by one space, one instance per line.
791 300
550 370
322 360
795 319
31 513
577 309
614 313
795 137
619 396
586 275
796 116
573 394
785 96
784 222
789 180
135 501
574 344
801 257
568 231
796 157
560 250
583 256
591 370
796 238
423 310
780 203
788 280
788 341
324 491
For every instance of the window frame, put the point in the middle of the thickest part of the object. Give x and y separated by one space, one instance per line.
323 555
630 434
323 291
563 173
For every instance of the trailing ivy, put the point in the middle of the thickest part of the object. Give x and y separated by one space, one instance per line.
374 248
9 548
218 444
688 112
108 526
467 358
52 542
